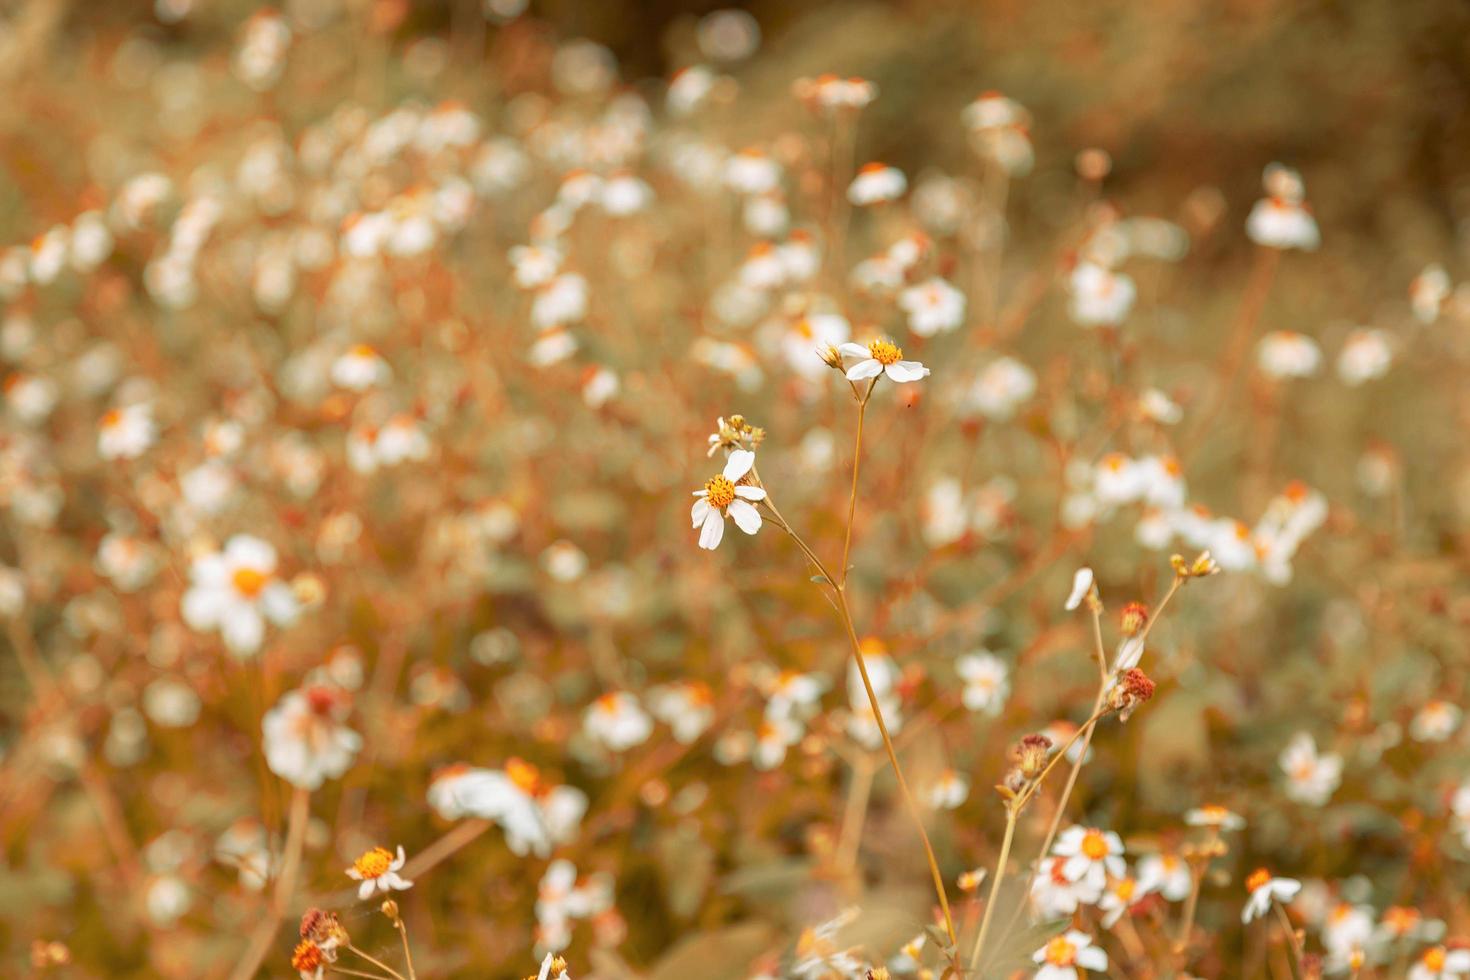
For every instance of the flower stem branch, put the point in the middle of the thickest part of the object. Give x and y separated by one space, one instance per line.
265 933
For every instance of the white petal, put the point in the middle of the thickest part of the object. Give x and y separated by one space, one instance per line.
712 531
853 350
750 493
1081 585
746 517
243 629
863 370
365 890
906 371
1093 959
739 464
699 511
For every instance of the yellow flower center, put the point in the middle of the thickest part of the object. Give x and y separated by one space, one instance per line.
248 581
1061 952
1258 877
1125 889
373 864
720 492
1434 959
1094 845
885 352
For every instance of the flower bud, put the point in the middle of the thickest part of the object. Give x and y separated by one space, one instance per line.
1031 754
1132 689
1133 618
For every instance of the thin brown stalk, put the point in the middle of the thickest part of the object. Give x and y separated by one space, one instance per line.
265 932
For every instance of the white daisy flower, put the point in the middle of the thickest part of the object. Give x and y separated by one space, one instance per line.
881 357
725 496
1264 890
235 591
377 869
1060 958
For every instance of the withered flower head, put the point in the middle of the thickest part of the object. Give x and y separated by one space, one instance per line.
1132 689
1030 754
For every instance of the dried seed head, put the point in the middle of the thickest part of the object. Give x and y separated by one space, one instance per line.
324 929
1030 754
1132 688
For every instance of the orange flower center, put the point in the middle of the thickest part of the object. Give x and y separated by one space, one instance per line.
1094 845
1258 878
249 582
374 863
1061 952
1434 959
885 352
720 492
307 957
526 777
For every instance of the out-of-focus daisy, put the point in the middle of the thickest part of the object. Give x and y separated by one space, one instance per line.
876 183
126 432
1365 356
1167 874
236 591
617 721
1435 721
881 357
725 496
948 791
534 814
1264 890
1214 817
1060 958
1428 291
773 736
1100 297
305 739
1311 778
1092 855
1120 895
933 307
1002 386
986 682
1441 963
1286 354
378 869
1282 219
687 707
360 368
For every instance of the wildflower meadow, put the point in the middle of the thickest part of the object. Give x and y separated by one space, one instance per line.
648 491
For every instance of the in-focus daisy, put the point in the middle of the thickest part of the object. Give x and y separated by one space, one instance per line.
1060 958
377 869
1264 890
725 496
881 357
